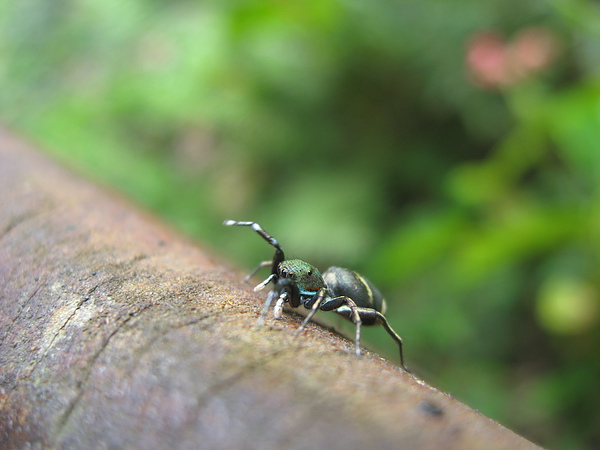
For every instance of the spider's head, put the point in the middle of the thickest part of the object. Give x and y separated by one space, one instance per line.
307 278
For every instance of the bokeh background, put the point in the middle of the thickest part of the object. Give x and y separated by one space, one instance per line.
448 150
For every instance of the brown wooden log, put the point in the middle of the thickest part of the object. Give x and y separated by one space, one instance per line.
116 332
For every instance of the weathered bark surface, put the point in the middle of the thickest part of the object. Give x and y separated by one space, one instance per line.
118 333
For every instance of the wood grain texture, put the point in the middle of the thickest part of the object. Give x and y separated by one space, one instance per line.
116 332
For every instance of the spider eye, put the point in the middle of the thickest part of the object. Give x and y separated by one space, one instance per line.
310 272
283 273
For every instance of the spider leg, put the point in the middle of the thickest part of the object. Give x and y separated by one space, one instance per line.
265 309
279 255
278 310
260 266
370 316
315 306
260 286
347 308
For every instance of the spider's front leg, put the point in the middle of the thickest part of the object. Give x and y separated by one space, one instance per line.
282 297
279 255
265 310
285 291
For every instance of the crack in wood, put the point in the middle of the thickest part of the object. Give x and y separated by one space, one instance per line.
82 383
85 299
24 307
160 334
212 390
18 221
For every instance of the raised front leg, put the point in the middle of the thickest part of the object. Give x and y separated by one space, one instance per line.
279 255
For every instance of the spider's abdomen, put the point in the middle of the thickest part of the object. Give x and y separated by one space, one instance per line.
344 282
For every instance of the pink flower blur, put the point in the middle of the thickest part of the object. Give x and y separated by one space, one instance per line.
496 64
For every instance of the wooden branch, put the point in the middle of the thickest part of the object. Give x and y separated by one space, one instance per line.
116 332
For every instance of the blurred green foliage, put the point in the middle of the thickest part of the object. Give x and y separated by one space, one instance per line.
405 139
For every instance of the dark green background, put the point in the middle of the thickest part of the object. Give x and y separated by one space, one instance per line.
352 131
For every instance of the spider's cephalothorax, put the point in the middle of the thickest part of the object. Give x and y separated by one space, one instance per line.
340 290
